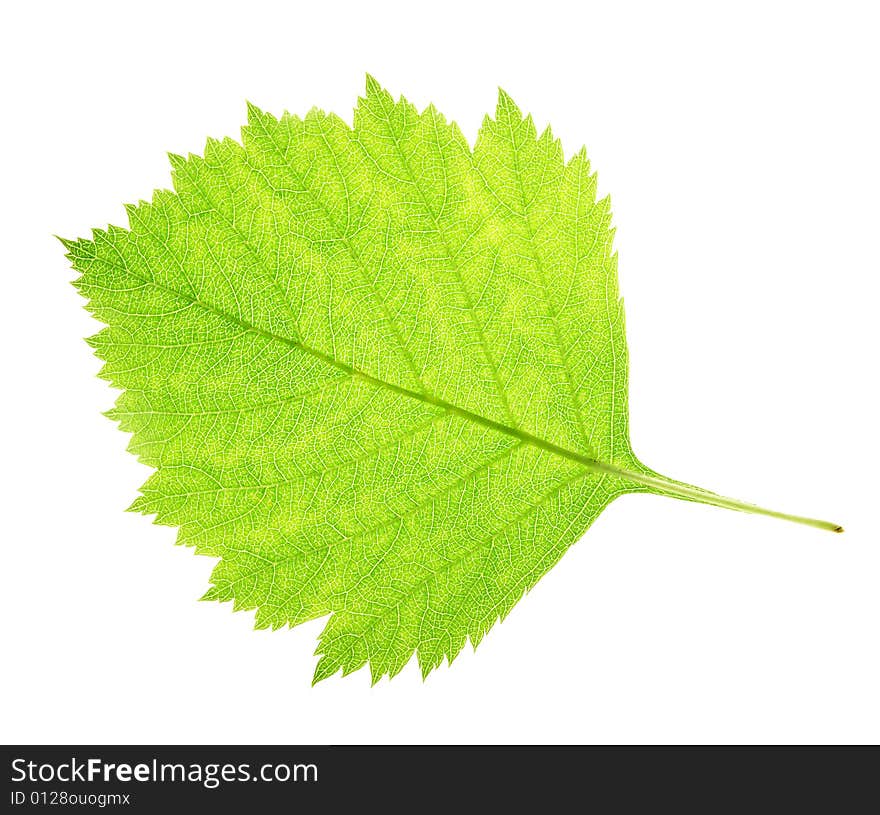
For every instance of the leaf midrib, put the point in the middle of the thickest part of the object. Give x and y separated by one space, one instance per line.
426 397
644 477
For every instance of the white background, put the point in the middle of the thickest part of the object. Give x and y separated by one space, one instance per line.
741 151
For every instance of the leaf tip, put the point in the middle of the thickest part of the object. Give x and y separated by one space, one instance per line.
70 245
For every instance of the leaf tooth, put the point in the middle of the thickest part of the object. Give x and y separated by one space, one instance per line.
254 111
116 232
604 205
548 137
214 594
70 244
99 234
426 666
96 340
434 114
506 107
323 670
213 148
372 85
176 160
353 666
337 120
140 505
581 155
161 198
315 114
261 620
396 669
376 94
139 210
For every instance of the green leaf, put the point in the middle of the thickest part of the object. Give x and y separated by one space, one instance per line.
379 374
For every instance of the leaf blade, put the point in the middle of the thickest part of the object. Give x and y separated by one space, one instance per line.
382 377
